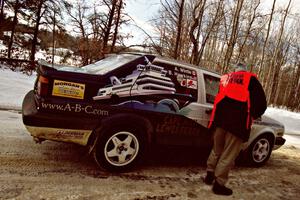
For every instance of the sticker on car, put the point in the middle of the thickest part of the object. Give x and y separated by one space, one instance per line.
68 89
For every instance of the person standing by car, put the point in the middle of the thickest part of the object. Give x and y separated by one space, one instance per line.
240 99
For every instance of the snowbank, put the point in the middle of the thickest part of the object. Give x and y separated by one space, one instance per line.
13 87
291 120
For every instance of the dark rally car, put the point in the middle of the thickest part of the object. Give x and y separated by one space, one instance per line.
123 103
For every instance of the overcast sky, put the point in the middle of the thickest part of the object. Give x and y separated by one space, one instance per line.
141 12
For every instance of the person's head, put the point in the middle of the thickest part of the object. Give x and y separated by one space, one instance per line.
240 67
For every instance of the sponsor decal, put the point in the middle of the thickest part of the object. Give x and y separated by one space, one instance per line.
188 83
185 73
171 125
191 84
76 108
68 89
187 78
65 135
74 134
145 80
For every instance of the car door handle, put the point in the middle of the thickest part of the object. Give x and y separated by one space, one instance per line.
208 111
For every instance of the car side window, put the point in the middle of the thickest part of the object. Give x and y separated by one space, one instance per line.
211 87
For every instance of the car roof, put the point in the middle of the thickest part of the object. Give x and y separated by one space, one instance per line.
171 61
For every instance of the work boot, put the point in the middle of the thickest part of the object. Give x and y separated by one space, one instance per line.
209 178
221 189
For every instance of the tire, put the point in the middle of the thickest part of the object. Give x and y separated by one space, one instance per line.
260 151
118 149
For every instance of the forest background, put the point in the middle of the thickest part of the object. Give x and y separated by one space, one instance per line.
213 34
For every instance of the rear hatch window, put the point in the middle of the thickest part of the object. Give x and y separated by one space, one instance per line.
108 64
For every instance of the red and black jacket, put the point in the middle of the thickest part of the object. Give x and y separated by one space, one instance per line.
233 109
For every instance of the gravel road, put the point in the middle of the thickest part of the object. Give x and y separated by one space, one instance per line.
54 170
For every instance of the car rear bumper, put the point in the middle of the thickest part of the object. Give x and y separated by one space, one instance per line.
52 126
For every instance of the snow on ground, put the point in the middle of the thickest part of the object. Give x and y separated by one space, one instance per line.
2 46
291 120
15 85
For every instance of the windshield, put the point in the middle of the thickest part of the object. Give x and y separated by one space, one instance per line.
109 63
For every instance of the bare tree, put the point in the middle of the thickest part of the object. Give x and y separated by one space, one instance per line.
292 93
112 5
281 70
253 17
210 28
172 26
233 36
79 16
220 32
266 41
117 24
1 10
197 14
295 94
179 24
42 12
38 16
17 6
272 82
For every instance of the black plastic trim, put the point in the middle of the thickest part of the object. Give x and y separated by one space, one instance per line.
279 141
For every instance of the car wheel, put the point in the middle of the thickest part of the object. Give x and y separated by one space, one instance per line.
119 149
260 150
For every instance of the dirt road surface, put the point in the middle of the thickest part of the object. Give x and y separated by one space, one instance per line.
53 170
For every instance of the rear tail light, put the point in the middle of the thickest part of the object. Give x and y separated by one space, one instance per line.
42 86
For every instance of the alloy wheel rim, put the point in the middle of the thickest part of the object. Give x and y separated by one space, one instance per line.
261 150
121 148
